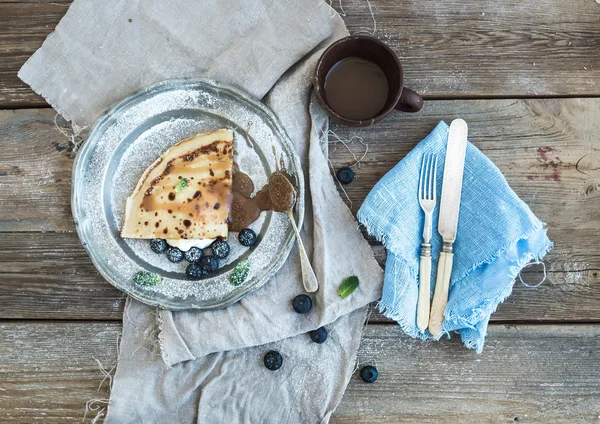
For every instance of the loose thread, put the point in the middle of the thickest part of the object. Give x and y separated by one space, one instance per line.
90 406
365 29
345 143
70 137
106 374
537 284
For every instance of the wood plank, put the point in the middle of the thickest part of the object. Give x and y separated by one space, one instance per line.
542 374
23 28
564 192
49 276
449 49
35 172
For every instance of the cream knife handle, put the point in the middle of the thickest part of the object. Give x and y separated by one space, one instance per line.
424 293
440 297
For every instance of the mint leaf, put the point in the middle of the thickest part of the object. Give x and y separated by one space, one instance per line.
181 185
146 278
348 286
239 273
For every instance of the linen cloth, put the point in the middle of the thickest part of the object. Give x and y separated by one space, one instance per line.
497 236
207 367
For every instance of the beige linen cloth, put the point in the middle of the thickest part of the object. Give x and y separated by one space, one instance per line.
206 367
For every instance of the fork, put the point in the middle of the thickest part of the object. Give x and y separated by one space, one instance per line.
427 200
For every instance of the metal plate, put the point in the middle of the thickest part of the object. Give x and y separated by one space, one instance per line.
125 141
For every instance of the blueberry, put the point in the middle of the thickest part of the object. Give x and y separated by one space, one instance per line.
194 271
302 303
207 251
193 255
369 374
247 237
273 360
220 249
345 175
319 335
174 254
158 245
209 264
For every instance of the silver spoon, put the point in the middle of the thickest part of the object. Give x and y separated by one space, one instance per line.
309 279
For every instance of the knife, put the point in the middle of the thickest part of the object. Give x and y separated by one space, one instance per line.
448 220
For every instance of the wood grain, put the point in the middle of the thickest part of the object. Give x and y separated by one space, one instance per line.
49 275
535 374
450 49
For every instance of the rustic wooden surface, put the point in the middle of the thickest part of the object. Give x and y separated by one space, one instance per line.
535 68
450 49
547 148
528 374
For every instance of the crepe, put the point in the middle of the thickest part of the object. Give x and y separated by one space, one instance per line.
185 193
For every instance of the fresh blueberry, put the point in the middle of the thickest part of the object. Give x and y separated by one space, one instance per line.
194 271
207 251
209 264
193 255
319 335
302 303
369 374
345 175
174 254
158 245
220 249
247 237
273 360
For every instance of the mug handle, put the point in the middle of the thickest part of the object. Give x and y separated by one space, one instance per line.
410 101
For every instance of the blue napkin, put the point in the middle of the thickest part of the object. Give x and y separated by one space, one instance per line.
498 235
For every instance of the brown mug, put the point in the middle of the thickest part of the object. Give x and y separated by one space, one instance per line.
373 50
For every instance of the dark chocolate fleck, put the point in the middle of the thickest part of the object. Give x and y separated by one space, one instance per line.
171 196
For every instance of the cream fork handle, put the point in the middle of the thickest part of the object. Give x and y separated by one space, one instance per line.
424 293
440 297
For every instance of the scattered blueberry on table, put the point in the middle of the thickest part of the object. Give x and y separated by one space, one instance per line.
345 175
273 360
302 303
174 254
319 335
209 264
247 237
194 271
369 374
220 249
193 255
158 245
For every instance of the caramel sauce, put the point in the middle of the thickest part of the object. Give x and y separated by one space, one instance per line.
277 195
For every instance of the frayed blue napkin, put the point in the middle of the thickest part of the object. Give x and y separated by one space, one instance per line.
498 235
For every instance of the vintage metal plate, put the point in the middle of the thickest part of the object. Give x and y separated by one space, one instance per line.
125 141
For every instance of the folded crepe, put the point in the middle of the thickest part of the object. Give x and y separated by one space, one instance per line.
185 193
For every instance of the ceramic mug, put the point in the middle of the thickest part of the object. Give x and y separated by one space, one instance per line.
371 49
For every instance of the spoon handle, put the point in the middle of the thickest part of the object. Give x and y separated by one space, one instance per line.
309 279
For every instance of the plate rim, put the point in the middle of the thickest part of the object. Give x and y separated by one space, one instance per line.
162 86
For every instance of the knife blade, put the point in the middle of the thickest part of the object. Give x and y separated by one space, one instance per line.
454 165
452 183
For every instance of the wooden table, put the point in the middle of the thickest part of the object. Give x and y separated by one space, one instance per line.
525 75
